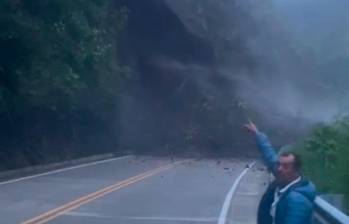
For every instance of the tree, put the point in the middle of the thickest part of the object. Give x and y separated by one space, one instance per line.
57 58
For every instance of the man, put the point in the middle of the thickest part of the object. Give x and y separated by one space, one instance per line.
289 199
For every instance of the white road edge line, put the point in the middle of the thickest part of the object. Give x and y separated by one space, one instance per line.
224 212
63 170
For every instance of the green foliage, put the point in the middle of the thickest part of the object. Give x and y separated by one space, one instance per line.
326 158
55 51
59 77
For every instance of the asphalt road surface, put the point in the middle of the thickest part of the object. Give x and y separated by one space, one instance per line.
128 190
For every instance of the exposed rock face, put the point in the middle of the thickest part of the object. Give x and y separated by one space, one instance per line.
178 98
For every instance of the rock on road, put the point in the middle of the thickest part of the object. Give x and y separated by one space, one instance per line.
127 190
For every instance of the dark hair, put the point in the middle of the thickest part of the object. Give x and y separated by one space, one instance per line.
297 160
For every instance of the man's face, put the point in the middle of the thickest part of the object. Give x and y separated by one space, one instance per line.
286 172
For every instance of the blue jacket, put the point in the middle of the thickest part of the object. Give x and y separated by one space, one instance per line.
295 205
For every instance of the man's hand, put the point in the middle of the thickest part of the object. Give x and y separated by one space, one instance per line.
251 127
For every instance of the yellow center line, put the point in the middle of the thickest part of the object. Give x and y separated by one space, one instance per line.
54 213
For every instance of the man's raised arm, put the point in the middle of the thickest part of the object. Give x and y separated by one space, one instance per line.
268 152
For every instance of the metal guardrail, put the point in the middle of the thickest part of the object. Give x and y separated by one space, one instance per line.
325 213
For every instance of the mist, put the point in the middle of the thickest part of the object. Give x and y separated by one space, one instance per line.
203 68
301 48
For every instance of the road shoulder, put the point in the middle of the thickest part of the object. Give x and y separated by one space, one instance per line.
244 205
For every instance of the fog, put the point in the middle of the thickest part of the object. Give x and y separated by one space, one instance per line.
301 48
210 65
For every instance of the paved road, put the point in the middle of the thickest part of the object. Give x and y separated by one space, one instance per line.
128 190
